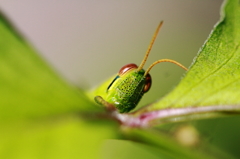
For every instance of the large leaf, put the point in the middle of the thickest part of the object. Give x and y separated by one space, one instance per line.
213 81
28 87
39 111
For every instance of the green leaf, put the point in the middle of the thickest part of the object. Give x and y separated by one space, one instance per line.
29 88
213 81
58 138
40 114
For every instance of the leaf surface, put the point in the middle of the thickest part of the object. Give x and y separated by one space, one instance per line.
28 86
214 77
39 111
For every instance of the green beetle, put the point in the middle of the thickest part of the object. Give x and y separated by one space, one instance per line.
127 88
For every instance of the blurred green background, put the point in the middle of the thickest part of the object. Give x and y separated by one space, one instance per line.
88 41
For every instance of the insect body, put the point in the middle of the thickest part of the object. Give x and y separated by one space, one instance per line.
128 87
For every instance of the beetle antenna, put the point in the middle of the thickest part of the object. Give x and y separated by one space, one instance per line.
150 47
164 60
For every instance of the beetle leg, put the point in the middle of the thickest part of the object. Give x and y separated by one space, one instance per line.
99 100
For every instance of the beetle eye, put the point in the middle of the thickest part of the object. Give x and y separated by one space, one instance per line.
148 83
126 68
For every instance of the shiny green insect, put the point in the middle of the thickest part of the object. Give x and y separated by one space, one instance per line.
128 87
